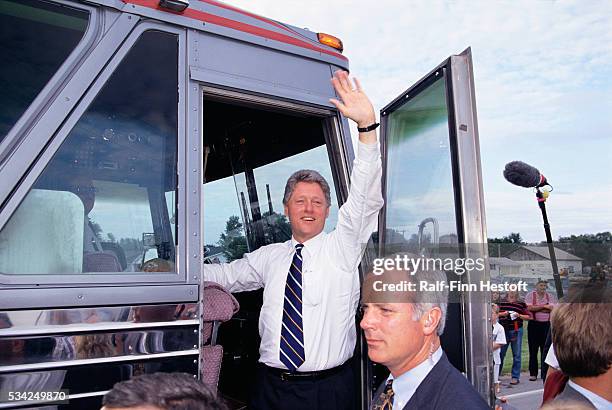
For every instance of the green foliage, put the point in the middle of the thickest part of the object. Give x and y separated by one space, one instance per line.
499 247
592 248
233 241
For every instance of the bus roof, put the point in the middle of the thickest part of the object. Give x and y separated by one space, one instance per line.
229 21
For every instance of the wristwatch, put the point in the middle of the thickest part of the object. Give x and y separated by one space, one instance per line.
369 127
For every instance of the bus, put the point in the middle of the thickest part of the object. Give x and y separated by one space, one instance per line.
141 139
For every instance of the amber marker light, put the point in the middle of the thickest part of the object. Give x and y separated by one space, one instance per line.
331 41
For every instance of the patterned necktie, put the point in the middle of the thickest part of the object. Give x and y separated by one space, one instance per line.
292 331
385 400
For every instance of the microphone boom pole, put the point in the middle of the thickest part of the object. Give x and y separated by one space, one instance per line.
551 248
521 174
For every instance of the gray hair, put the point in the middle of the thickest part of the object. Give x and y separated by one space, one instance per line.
428 300
306 175
167 391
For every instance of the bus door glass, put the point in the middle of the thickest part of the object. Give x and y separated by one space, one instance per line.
429 208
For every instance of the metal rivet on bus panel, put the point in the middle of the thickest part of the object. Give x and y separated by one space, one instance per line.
195 255
194 191
195 376
195 212
195 277
195 170
195 149
67 98
195 331
195 347
195 109
80 297
437 72
195 234
195 361
191 292
406 96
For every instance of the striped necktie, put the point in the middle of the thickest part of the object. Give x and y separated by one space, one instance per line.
292 331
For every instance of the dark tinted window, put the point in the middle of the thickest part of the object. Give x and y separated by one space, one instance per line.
106 201
35 39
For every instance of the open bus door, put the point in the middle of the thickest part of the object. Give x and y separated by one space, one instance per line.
434 201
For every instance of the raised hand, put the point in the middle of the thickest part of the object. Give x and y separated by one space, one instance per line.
355 103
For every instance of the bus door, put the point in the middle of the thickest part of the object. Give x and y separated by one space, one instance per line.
434 204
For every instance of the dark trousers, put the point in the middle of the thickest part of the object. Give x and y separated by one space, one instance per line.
536 338
334 392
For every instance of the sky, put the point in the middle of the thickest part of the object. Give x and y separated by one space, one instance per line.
543 79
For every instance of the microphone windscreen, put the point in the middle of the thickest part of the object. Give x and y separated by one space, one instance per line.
521 174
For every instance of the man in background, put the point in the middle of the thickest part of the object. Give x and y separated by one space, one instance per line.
539 303
161 391
582 342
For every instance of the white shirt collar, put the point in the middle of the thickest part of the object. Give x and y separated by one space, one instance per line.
598 401
312 245
406 384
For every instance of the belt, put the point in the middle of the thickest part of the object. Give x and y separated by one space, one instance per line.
286 375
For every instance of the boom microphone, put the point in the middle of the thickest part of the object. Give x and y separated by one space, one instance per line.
521 174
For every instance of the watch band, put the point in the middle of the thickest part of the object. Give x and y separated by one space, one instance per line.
369 127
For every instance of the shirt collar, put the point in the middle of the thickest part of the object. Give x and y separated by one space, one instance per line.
598 401
407 383
312 245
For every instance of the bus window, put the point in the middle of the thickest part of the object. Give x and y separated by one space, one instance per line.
420 196
35 38
117 166
251 152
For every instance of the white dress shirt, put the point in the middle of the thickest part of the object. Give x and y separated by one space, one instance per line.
598 402
406 384
330 280
499 337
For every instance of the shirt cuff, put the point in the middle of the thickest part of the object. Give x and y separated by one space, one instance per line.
368 152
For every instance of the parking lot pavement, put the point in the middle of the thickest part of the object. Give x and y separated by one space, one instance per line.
527 395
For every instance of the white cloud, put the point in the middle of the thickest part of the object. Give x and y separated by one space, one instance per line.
541 68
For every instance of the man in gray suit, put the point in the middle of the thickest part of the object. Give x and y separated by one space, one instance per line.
402 330
582 339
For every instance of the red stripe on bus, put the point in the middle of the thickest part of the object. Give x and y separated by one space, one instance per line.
236 25
246 13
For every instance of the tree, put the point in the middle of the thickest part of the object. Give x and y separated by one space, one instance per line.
504 245
514 237
233 241
592 248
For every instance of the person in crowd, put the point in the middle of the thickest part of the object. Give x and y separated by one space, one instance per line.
498 337
311 282
582 343
539 303
512 313
161 391
402 331
495 297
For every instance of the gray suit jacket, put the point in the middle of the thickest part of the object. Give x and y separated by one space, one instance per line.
570 394
444 388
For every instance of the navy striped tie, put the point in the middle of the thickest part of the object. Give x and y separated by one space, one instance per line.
292 332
